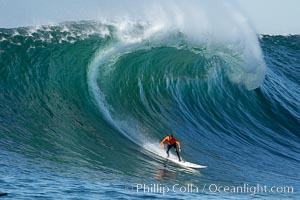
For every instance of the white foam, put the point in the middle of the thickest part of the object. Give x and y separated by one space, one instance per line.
210 23
155 148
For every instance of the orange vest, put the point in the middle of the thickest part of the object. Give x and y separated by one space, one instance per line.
170 141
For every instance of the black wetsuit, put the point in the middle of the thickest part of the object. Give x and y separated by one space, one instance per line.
175 146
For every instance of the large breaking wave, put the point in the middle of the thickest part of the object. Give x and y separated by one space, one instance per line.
103 94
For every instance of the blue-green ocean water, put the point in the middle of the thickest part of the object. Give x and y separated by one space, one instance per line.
83 107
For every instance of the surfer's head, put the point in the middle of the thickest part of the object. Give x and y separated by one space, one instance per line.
171 135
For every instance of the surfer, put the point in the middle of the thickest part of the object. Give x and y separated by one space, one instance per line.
172 142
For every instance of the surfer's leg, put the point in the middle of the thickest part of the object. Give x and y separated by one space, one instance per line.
168 149
176 150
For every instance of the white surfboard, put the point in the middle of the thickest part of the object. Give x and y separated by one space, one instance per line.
186 164
153 148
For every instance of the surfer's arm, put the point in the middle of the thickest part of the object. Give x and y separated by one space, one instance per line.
178 143
163 142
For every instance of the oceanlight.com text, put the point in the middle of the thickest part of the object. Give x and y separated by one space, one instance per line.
250 189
